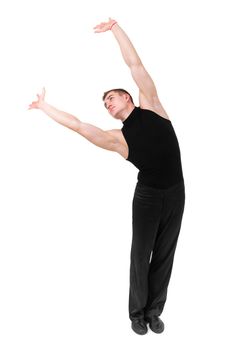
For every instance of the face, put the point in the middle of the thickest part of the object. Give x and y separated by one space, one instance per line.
115 103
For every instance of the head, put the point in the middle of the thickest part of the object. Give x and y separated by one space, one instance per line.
118 102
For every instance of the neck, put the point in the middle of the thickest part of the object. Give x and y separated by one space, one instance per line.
124 115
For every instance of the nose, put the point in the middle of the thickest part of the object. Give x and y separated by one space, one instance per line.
109 106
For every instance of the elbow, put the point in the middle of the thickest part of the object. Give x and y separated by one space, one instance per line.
75 125
135 64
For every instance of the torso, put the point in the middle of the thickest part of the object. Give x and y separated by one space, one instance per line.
152 147
122 147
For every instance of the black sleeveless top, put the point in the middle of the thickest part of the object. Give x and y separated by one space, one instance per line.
153 148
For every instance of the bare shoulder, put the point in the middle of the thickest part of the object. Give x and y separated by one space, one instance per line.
121 145
114 132
118 135
153 105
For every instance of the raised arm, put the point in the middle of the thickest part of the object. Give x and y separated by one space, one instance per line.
148 96
101 138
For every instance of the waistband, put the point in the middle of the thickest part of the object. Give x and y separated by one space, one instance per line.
161 190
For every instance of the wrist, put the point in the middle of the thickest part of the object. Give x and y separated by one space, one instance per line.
115 22
42 105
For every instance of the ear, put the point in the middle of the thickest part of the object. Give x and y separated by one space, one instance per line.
127 98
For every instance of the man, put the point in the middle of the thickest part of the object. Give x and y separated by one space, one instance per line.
148 140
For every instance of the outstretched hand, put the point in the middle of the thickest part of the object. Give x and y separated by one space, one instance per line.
37 104
104 26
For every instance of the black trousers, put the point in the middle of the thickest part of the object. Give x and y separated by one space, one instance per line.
156 218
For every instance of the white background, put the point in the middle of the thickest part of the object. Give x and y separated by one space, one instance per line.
66 204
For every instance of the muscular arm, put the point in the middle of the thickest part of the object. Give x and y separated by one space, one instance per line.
140 75
101 138
148 96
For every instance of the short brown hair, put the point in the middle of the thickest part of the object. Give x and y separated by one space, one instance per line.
120 91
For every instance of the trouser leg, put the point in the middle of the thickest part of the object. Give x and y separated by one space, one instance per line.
146 217
164 250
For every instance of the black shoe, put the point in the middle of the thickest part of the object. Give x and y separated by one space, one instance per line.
156 324
139 326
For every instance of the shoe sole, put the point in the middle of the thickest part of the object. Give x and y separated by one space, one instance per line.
157 331
139 333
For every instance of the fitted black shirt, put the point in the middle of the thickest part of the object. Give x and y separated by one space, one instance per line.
153 148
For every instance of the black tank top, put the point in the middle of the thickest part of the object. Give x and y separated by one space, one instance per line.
153 148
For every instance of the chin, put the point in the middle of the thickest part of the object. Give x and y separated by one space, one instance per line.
114 114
